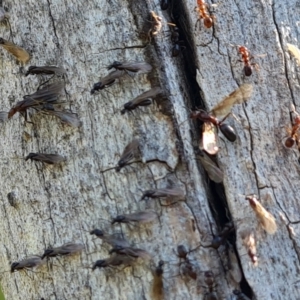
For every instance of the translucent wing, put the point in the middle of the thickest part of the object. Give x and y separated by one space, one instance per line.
48 93
21 54
294 51
112 76
240 95
66 117
213 172
142 216
209 138
141 67
265 218
148 94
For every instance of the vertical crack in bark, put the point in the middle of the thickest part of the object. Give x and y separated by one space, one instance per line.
217 201
53 24
251 150
282 49
287 226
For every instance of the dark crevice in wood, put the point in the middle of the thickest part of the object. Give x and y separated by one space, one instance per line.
216 193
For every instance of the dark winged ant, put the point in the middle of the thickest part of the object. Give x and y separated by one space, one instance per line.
131 252
65 249
51 159
115 239
113 261
139 217
27 263
130 152
108 80
45 70
133 66
143 99
38 100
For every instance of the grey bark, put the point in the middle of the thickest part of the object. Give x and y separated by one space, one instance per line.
55 204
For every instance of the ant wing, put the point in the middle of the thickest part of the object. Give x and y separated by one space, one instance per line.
213 172
131 151
152 93
21 54
294 51
240 95
66 117
141 67
46 158
30 262
209 138
112 76
265 218
70 248
142 216
175 193
268 222
48 93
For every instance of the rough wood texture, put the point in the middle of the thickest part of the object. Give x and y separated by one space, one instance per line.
59 204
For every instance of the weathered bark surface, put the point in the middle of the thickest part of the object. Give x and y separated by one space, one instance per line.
56 204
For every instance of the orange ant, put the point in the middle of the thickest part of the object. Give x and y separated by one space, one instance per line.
293 131
208 20
246 60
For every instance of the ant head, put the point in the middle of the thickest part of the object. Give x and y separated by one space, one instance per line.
30 156
98 264
97 232
115 249
47 253
252 200
98 86
13 266
182 251
118 219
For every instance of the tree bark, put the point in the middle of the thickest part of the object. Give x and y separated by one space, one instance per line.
59 204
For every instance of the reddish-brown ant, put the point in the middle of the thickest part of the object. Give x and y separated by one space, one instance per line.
293 131
210 120
227 130
208 20
246 60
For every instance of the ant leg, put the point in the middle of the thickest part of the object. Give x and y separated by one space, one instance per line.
225 118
